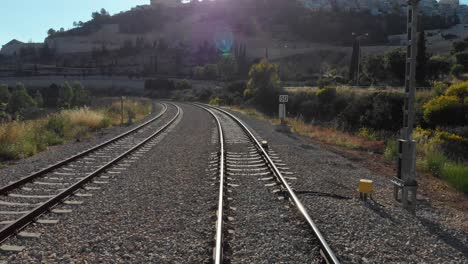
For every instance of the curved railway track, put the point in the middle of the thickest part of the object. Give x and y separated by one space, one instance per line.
38 193
243 157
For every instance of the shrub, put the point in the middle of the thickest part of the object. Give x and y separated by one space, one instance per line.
440 88
66 95
17 140
248 93
227 67
391 150
459 90
210 72
264 82
183 85
445 110
377 111
326 95
367 134
4 94
457 175
80 95
457 70
215 101
204 94
462 59
199 73
57 125
434 162
20 99
236 87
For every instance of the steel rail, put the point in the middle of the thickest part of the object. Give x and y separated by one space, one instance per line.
7 188
44 207
326 251
219 245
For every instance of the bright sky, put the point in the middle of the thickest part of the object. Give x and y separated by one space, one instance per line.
26 20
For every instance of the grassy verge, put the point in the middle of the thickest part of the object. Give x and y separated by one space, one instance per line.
430 158
361 141
21 139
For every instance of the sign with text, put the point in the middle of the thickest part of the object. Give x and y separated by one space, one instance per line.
283 98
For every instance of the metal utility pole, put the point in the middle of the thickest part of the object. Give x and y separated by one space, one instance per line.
358 40
122 110
405 183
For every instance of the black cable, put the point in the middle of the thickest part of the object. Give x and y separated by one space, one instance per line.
332 195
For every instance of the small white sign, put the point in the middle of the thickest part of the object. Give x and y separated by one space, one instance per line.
283 98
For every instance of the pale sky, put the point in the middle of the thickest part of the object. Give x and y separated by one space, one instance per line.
27 20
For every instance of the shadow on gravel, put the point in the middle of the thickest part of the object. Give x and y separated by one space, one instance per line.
438 230
380 210
444 235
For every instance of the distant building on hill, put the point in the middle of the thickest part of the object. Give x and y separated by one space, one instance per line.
14 47
171 3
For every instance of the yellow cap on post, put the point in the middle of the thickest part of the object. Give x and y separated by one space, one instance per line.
366 186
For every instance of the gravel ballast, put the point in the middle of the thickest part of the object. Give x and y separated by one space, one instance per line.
262 227
158 210
159 207
366 232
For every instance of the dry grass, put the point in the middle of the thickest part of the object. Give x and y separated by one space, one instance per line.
335 137
133 111
323 134
23 139
85 117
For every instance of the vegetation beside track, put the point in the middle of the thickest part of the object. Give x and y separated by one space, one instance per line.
19 139
429 143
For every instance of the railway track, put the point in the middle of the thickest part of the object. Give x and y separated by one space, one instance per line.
24 201
254 191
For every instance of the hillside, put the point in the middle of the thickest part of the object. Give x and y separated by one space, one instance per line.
273 23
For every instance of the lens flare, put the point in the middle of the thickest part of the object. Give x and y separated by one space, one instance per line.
224 40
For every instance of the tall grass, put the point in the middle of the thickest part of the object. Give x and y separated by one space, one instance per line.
132 111
456 174
21 139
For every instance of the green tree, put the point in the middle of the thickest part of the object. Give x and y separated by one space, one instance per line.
373 66
80 95
449 109
395 63
210 71
104 12
457 70
51 32
462 59
20 99
227 67
66 96
459 46
4 94
38 99
264 82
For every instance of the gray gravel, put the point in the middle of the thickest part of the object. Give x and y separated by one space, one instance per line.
161 208
158 210
367 232
262 227
21 168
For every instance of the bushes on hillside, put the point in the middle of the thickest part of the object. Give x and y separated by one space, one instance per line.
264 82
158 87
20 99
449 109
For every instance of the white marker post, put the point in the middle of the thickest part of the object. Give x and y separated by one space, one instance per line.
283 99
